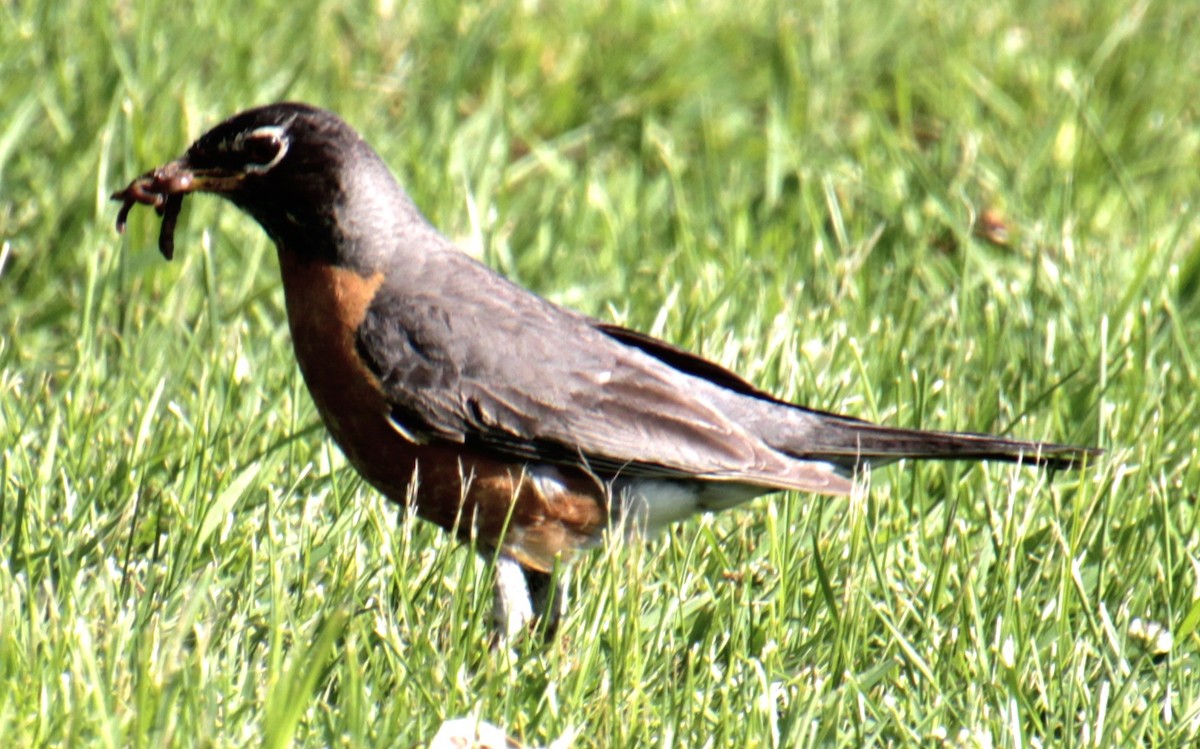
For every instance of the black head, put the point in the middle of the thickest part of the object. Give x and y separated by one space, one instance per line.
269 146
305 175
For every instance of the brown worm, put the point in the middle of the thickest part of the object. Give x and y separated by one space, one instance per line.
153 190
166 234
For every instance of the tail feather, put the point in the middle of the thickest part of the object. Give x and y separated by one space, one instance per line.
850 444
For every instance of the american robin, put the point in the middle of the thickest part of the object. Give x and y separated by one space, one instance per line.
495 413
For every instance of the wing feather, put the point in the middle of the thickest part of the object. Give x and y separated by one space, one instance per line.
500 367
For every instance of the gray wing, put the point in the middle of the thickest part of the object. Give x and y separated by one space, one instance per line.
467 356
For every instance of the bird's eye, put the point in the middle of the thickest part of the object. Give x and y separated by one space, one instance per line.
263 148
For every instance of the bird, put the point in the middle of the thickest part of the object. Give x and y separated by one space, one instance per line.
532 429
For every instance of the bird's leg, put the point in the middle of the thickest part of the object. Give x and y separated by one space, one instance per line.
513 608
522 597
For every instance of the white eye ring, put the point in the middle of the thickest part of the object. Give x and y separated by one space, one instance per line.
273 132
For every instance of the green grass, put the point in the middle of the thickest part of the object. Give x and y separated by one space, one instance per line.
794 190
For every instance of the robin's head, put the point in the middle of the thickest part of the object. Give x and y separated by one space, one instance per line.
305 175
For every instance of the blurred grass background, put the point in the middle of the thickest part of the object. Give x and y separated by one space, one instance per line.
973 215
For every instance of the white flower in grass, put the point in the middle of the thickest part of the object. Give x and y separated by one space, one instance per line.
979 738
1155 638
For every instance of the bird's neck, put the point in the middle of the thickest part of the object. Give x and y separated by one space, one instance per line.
351 214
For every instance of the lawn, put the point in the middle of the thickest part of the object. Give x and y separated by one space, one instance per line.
975 215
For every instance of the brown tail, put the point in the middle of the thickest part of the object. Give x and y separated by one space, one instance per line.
849 444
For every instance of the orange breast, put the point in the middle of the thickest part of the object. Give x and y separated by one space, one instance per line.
461 490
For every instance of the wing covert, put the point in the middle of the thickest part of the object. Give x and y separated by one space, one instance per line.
528 379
